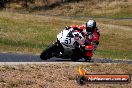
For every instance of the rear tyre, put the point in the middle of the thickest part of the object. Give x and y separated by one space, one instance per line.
77 54
87 59
74 59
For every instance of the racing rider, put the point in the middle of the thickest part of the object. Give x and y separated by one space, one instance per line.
92 34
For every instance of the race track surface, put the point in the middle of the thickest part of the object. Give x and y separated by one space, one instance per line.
13 57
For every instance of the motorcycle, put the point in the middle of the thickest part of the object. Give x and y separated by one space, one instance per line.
69 44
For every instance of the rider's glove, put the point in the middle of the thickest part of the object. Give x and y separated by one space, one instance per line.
95 42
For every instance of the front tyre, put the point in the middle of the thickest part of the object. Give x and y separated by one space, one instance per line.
50 52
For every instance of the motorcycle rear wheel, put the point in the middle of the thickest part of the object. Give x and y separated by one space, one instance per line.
87 59
74 59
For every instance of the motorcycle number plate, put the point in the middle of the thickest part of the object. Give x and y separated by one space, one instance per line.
68 41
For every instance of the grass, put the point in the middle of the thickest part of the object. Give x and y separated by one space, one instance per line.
115 42
98 8
28 33
32 33
57 75
113 54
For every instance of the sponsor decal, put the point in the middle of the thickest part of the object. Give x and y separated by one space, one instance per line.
84 78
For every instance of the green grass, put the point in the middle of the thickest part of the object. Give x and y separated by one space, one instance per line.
115 43
114 54
31 34
24 34
21 43
27 31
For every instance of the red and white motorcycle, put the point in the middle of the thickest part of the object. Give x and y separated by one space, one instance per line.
69 44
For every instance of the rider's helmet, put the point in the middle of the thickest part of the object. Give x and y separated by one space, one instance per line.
90 26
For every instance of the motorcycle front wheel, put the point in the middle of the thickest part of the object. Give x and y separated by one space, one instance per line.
50 52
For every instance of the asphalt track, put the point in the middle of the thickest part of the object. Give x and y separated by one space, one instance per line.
13 57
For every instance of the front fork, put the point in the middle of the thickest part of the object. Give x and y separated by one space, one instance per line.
59 46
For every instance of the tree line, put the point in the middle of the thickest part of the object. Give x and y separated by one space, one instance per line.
6 3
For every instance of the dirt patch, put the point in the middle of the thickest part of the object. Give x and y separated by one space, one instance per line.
57 75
